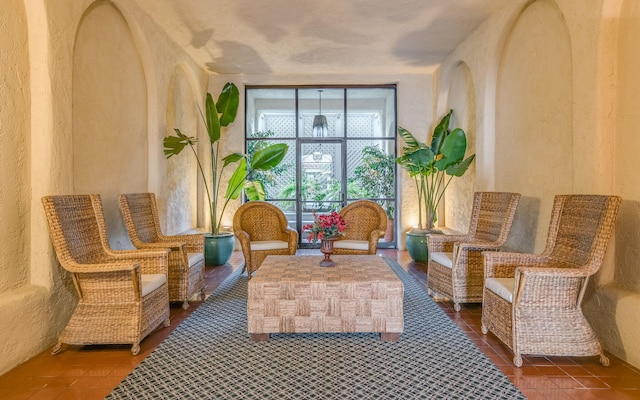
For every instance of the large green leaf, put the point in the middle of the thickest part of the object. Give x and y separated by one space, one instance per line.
173 145
458 169
231 158
237 181
453 149
440 133
254 190
408 138
269 157
228 102
211 119
420 161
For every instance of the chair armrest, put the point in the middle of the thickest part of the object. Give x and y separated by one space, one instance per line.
245 244
550 286
437 242
76 268
194 242
292 240
161 246
498 264
151 261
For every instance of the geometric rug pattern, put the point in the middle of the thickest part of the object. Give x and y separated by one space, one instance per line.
210 356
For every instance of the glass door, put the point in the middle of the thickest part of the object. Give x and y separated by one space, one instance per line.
321 180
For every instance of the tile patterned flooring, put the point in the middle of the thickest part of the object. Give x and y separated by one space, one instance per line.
91 372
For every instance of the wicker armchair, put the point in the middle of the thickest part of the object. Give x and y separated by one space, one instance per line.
123 293
456 268
262 230
366 223
186 258
532 302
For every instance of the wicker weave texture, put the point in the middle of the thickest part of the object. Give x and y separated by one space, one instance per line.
491 219
546 315
262 221
140 213
111 309
366 220
295 294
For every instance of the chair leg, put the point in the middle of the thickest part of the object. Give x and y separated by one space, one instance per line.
185 305
604 360
135 349
517 360
167 322
456 306
56 349
484 329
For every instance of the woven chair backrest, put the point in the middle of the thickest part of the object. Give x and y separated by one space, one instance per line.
363 217
580 228
492 215
77 227
143 214
261 220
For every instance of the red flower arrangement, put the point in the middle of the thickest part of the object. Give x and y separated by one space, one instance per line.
325 226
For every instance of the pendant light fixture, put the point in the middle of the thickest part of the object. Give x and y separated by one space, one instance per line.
320 126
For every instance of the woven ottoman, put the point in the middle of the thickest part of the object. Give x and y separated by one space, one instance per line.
292 294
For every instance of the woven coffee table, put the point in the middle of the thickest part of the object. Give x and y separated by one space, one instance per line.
294 294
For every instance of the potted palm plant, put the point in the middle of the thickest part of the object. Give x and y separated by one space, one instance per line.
432 167
218 244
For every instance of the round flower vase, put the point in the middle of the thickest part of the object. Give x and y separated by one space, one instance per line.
326 247
218 248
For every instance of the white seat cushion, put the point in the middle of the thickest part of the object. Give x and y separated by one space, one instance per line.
444 259
151 282
195 258
503 287
269 245
351 244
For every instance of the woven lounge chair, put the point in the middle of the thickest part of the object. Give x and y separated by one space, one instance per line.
186 259
456 268
366 223
262 230
532 302
123 293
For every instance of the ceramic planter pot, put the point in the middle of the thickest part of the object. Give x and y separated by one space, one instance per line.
417 246
218 248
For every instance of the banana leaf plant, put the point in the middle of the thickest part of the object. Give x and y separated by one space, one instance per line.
433 166
218 115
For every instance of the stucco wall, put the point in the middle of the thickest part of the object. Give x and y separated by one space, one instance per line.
556 85
85 78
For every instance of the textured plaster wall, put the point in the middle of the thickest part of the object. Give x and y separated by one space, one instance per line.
556 86
460 97
62 97
613 304
109 114
181 181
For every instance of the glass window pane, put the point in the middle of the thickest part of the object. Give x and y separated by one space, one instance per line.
371 112
313 103
279 182
271 110
371 172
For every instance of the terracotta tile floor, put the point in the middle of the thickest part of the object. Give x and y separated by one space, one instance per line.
92 372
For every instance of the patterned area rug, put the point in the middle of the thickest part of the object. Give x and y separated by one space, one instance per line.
210 356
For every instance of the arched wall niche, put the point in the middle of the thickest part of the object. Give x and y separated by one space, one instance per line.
109 113
534 139
182 176
460 98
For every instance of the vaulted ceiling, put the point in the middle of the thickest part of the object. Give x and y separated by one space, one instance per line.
319 36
